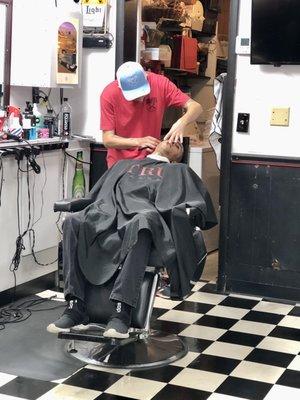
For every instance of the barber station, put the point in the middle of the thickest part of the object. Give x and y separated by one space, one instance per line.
149 200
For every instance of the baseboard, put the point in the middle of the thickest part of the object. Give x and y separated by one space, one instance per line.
28 288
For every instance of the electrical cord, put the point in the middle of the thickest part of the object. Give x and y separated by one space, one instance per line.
42 193
75 158
15 262
63 191
15 313
31 231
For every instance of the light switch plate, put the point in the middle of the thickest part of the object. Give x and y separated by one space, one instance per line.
280 117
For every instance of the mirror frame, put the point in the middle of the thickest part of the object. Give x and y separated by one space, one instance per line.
8 35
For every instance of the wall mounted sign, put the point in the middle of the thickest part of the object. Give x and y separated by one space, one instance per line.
68 52
93 12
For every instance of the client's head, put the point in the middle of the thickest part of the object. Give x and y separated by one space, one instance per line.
173 151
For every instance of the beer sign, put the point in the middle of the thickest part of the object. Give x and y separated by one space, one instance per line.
93 12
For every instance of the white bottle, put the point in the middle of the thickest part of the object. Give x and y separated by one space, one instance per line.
39 116
66 111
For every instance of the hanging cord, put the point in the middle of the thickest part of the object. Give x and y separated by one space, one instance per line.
75 158
63 191
31 231
15 262
19 241
30 224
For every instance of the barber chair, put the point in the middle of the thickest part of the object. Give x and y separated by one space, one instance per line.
145 348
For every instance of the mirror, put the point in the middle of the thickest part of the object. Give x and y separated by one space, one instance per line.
5 50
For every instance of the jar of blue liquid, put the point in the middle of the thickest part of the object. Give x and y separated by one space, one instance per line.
32 133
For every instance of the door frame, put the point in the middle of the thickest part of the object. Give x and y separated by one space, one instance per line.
226 159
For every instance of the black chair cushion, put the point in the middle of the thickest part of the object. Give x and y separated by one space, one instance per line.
100 308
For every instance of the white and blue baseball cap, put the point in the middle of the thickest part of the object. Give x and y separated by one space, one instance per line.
132 80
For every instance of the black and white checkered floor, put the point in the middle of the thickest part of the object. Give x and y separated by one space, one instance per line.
239 348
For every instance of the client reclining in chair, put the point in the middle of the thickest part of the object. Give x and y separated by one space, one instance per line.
136 206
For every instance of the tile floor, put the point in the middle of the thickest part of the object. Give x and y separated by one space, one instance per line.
239 348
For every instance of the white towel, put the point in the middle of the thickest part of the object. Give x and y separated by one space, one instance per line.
216 126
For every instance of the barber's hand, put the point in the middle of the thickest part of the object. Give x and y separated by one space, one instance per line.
175 134
148 142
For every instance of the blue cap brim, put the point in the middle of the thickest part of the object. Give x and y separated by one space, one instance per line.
136 93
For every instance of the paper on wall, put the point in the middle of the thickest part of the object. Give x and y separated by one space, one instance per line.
93 12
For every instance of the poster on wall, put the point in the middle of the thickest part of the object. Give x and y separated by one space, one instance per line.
94 13
68 52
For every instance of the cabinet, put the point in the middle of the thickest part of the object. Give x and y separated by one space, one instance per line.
34 41
263 255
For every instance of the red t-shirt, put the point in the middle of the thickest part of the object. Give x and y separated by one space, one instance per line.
131 119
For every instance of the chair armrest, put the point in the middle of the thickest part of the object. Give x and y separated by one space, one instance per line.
195 217
71 205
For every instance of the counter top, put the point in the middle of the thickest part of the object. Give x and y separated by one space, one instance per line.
11 143
204 144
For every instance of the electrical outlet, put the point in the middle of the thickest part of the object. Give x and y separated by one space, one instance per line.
243 122
280 117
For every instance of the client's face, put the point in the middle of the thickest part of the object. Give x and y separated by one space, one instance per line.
173 151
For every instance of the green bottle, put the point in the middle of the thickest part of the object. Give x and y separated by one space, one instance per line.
78 185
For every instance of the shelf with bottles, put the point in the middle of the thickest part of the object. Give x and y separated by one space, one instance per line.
38 145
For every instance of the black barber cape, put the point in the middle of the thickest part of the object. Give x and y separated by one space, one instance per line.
144 194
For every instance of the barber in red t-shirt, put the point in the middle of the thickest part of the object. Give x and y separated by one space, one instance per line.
132 109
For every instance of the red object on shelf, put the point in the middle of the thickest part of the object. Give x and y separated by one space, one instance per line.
184 54
13 109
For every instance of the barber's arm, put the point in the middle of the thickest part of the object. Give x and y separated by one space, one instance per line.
193 110
111 140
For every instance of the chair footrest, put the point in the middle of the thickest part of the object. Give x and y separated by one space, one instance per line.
156 350
94 336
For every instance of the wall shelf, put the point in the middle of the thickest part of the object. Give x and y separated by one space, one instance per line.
176 72
178 30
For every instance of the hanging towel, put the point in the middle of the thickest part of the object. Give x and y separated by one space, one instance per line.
216 126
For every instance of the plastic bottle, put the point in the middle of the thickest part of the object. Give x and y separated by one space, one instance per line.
39 117
78 185
66 111
49 122
2 118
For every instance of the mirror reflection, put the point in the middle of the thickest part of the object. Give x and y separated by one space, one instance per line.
3 11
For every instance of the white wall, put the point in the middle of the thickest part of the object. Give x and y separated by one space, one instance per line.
45 229
2 39
49 181
258 90
98 69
